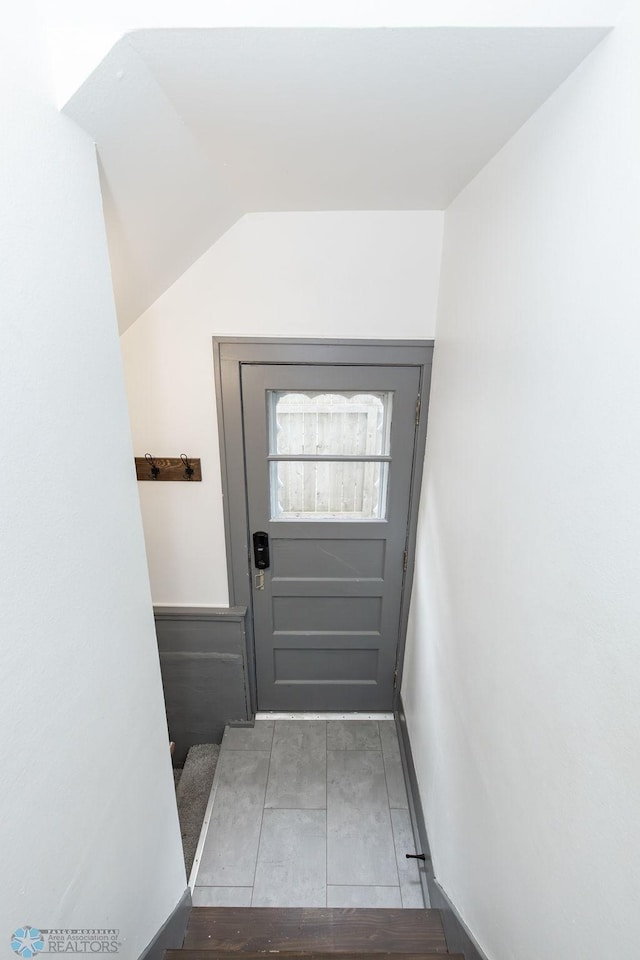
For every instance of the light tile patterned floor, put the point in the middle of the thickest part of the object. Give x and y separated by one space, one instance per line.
309 813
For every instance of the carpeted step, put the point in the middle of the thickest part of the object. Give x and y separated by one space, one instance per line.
268 930
192 795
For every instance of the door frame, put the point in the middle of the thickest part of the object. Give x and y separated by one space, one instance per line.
229 353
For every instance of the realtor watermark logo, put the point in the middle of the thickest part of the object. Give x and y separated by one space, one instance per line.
28 941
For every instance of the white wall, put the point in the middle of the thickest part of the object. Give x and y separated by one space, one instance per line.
522 683
81 34
89 832
350 275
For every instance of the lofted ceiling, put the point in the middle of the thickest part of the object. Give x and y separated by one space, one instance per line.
196 127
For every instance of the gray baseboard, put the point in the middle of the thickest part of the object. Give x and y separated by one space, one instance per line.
459 938
203 660
415 806
170 936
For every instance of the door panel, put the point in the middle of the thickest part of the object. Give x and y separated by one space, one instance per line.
329 559
337 664
312 614
329 454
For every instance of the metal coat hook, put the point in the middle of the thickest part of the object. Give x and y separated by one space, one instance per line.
155 469
188 469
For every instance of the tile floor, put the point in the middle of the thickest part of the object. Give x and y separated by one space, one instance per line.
309 813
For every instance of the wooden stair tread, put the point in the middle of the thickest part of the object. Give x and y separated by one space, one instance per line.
287 955
319 931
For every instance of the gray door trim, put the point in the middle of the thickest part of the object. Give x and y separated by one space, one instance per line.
229 353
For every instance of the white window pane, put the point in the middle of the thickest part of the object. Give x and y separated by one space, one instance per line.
329 424
328 490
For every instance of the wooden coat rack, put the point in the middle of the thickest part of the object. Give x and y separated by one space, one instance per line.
168 468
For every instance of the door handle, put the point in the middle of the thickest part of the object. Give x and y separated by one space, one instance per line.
261 550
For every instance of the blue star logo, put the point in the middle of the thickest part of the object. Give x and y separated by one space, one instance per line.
26 942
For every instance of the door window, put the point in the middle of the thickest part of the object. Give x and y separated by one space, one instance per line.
329 454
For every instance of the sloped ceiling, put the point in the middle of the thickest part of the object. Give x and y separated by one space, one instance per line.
195 128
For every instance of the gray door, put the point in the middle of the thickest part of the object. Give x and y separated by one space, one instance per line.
328 455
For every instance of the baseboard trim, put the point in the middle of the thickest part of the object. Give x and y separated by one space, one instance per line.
415 806
170 936
459 937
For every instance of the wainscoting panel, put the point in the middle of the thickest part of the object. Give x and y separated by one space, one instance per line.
203 659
